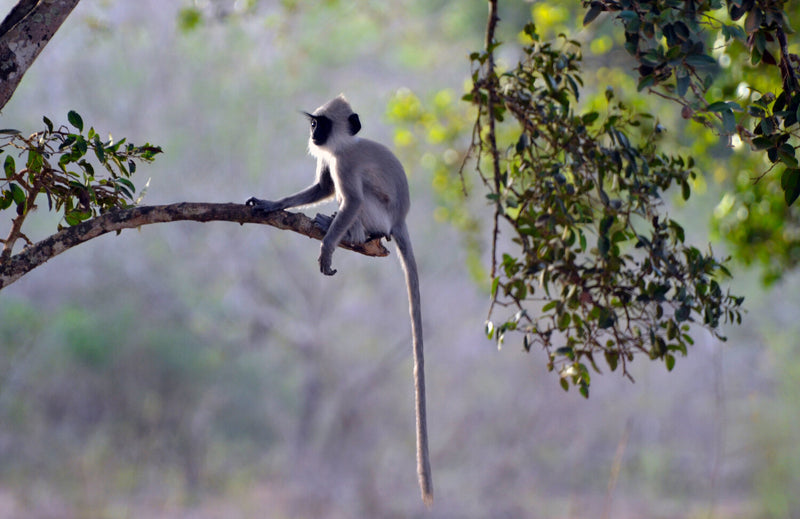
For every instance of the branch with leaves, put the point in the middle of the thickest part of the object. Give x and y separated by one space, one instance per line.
58 165
730 66
594 268
674 46
88 181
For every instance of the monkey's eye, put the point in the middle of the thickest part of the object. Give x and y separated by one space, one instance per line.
313 123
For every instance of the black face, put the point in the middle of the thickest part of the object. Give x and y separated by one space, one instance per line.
321 127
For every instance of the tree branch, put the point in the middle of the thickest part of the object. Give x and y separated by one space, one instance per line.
37 254
491 88
23 34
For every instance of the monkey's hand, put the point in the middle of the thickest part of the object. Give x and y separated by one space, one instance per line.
266 206
325 256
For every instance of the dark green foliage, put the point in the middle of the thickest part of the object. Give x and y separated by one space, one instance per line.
674 45
57 164
595 269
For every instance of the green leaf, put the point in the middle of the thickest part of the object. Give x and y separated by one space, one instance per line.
594 11
791 185
35 161
645 82
606 223
589 118
603 245
522 143
790 177
605 318
718 106
736 11
9 166
17 194
682 84
612 358
563 321
787 156
763 143
549 306
701 61
126 182
669 360
566 351
73 218
753 20
98 149
79 148
75 120
685 190
680 235
728 121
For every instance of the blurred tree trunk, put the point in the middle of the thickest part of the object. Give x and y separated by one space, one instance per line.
23 34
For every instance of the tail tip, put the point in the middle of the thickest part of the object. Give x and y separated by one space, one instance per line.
427 498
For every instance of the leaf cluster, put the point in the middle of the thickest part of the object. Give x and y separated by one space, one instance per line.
677 45
80 174
595 269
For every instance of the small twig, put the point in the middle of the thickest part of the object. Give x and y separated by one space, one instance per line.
789 79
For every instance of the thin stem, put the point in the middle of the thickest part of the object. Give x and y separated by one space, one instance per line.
491 86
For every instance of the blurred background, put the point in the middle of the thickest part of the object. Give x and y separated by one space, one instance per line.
210 371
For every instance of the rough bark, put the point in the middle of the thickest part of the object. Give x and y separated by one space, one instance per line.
23 34
38 253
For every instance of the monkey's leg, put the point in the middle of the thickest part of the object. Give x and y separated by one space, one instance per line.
355 234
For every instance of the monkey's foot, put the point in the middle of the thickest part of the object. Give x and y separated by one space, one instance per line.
262 205
379 236
325 263
323 221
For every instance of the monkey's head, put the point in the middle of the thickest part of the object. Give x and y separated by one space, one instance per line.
333 123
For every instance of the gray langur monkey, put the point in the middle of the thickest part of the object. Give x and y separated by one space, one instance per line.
372 191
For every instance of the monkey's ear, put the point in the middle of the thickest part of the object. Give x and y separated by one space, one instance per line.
355 124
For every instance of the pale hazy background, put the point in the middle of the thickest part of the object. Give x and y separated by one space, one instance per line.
209 370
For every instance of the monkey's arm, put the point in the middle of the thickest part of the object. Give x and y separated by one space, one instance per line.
319 191
344 219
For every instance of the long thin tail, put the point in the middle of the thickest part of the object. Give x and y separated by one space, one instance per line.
412 282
